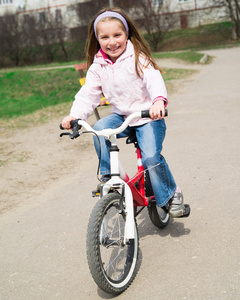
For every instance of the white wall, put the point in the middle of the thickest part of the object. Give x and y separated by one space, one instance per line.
178 7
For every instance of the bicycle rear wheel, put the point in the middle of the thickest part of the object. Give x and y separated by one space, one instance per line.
112 263
158 216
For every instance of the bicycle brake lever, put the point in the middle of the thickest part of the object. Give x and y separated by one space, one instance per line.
71 135
75 132
64 133
75 128
74 135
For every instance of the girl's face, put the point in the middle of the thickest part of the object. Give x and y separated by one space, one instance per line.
112 38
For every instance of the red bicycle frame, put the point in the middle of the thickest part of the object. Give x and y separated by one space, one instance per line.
139 195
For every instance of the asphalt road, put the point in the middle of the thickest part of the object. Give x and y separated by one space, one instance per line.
42 244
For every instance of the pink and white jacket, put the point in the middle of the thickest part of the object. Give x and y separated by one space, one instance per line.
126 92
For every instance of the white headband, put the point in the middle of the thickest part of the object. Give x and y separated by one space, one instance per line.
113 14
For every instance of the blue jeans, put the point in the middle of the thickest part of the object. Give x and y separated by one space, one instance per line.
150 137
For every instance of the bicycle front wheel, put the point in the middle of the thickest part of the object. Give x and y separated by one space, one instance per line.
112 263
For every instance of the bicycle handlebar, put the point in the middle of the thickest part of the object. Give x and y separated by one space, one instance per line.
78 123
146 114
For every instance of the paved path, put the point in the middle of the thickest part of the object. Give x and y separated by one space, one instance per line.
51 68
42 243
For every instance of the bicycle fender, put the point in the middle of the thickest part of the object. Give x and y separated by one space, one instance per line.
129 228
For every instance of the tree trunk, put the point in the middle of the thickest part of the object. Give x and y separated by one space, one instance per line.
64 49
237 17
233 20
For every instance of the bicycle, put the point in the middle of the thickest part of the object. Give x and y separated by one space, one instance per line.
112 235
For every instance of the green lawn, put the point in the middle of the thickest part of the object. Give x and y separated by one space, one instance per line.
188 56
209 36
23 92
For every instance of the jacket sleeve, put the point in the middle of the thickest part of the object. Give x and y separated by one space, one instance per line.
154 83
88 97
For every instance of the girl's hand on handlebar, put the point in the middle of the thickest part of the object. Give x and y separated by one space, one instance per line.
66 122
156 109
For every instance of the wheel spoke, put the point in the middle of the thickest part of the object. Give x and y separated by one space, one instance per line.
113 264
112 231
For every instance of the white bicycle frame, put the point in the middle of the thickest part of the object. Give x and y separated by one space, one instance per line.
118 171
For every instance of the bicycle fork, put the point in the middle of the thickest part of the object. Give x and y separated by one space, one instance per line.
115 183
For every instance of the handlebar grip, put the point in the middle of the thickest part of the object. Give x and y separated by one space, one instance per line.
145 113
72 123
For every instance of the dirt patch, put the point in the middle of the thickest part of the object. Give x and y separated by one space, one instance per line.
32 158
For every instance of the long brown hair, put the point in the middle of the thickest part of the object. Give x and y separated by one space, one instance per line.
141 47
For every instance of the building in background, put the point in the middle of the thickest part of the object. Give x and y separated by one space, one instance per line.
43 9
74 13
40 31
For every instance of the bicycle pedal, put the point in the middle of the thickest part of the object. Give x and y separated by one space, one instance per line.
151 201
95 193
187 211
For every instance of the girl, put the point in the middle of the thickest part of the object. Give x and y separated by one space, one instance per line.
121 67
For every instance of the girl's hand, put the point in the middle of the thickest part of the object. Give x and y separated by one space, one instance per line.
66 122
156 109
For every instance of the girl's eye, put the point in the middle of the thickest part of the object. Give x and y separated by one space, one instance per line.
103 37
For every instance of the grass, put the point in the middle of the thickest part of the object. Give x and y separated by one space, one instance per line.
23 92
210 29
39 66
203 37
188 56
175 74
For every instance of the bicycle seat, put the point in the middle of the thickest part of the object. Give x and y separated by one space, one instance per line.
132 139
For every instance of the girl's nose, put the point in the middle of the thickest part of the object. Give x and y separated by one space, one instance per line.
112 41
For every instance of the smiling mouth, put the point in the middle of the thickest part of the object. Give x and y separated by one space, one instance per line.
114 50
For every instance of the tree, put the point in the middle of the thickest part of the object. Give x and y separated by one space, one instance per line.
27 39
11 37
52 32
85 12
3 48
153 17
30 43
233 7
61 33
234 11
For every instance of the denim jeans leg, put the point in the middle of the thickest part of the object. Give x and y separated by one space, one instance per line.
150 138
111 121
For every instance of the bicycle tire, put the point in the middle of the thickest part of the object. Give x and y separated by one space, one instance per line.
112 264
158 216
